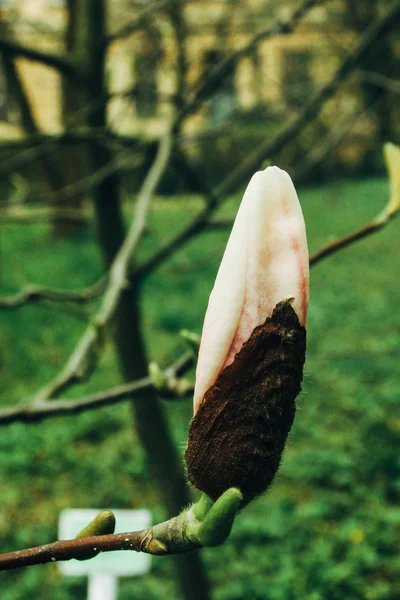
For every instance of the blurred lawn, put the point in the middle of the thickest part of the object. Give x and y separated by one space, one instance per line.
329 528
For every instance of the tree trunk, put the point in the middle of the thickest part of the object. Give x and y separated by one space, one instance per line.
149 418
74 156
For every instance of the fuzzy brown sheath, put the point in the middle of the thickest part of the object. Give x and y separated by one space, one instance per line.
238 434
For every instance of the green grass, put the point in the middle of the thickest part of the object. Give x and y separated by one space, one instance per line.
329 527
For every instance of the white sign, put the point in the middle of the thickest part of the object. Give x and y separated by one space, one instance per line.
104 568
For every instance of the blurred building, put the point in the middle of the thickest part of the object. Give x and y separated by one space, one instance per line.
271 83
281 74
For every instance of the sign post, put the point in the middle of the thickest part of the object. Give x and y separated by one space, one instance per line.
102 585
104 569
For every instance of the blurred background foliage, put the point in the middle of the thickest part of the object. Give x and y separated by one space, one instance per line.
83 105
329 527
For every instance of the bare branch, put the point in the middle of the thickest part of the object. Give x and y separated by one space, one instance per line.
61 63
85 355
373 227
102 137
33 26
28 412
217 224
325 148
216 196
33 294
36 146
76 548
347 240
120 161
72 136
392 208
205 523
392 85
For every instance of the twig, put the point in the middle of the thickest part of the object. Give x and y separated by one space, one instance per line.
120 161
78 549
85 355
61 63
36 146
333 247
392 209
34 293
202 524
72 136
32 26
218 73
28 412
392 85
326 146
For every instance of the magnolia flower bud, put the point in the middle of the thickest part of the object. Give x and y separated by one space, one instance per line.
252 348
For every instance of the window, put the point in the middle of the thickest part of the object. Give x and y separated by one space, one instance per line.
223 100
297 83
146 93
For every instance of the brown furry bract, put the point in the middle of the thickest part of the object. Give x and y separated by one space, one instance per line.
238 434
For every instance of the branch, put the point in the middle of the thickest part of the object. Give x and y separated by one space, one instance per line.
120 161
102 137
82 134
141 19
392 154
331 248
216 196
392 85
10 47
392 209
85 355
33 26
203 524
330 141
38 145
36 411
33 294
78 549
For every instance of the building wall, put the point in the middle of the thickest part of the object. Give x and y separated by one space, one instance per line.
281 75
